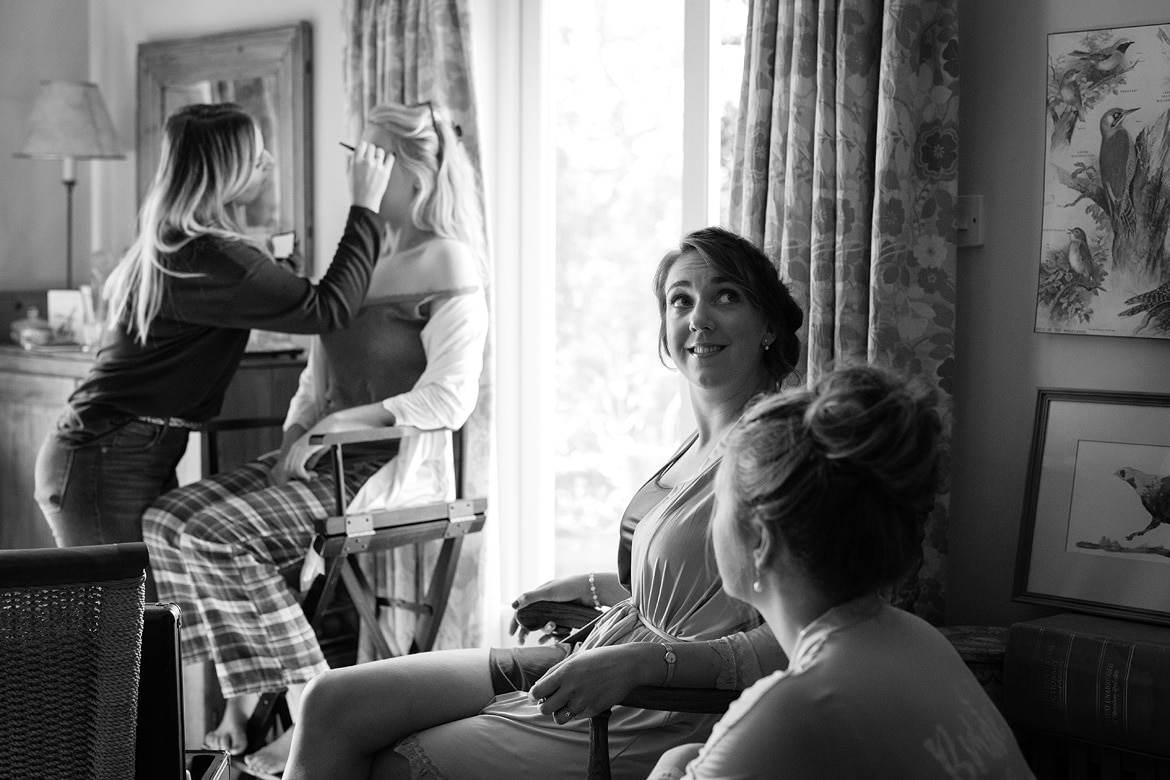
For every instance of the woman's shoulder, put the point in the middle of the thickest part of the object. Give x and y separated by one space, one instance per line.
442 264
217 255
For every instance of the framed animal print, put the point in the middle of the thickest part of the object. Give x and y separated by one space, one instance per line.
1095 535
1105 244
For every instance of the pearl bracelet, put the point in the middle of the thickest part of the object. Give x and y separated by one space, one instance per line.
593 592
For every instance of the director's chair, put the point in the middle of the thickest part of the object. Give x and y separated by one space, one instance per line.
341 537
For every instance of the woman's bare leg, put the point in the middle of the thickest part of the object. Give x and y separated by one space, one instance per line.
349 715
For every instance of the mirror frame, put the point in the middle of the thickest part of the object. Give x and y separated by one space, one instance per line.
282 52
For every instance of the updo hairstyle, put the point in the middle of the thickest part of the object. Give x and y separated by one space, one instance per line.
842 475
743 263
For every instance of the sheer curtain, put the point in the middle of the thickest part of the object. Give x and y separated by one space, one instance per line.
410 51
845 173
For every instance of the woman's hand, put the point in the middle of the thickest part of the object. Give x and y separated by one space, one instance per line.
593 680
278 475
369 173
574 589
297 453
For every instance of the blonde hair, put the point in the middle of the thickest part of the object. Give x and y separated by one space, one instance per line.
208 155
427 145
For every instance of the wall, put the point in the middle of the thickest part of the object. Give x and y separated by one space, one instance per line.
36 46
1000 361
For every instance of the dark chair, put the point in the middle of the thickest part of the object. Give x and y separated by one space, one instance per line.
340 537
572 623
71 652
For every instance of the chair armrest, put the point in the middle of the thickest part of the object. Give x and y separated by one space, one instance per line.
388 433
65 566
658 697
567 615
216 425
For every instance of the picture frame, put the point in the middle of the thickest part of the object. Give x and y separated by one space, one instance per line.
1091 536
1104 261
267 71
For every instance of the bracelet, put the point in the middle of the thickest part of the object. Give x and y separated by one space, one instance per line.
593 592
670 658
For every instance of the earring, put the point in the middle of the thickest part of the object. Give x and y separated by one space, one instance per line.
758 585
766 345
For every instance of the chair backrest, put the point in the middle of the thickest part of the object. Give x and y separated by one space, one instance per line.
70 649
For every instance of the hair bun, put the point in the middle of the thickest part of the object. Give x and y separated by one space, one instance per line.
884 428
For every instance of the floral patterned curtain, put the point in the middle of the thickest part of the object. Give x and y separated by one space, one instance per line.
845 172
410 51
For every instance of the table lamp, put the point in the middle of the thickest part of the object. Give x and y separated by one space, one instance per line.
70 122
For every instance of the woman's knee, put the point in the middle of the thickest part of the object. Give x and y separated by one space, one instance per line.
327 702
205 526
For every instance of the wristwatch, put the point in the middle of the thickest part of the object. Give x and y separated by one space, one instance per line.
670 658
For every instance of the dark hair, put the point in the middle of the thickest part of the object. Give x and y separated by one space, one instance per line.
743 263
842 475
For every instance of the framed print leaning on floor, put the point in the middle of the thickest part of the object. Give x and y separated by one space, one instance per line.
1105 240
1095 535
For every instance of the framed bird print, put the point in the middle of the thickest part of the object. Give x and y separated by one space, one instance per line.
1095 535
1105 245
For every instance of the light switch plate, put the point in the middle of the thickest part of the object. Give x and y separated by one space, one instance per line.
969 220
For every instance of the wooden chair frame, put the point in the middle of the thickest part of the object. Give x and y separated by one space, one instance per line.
341 536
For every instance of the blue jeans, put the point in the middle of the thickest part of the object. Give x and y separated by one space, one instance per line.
96 492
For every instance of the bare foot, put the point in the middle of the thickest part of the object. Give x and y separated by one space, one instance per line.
231 733
270 759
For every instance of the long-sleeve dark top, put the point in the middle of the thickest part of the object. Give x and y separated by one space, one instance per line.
197 340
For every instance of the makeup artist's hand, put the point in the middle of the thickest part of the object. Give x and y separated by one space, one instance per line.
369 173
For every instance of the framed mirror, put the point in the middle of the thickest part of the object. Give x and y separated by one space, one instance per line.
265 71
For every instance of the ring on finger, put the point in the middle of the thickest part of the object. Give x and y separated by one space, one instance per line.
563 715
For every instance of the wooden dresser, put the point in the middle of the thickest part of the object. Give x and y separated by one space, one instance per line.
33 390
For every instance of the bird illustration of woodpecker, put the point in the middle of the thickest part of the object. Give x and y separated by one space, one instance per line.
1153 491
1107 60
1116 161
1151 302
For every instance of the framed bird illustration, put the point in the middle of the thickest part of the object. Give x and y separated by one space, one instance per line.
1105 247
1095 533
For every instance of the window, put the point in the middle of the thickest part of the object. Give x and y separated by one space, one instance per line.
620 78
613 124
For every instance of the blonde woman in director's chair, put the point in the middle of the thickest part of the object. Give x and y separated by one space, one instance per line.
411 357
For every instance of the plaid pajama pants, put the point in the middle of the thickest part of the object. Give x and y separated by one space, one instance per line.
217 548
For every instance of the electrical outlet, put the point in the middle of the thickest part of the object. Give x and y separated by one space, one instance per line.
969 220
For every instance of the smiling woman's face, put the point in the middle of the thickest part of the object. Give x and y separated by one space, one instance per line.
713 333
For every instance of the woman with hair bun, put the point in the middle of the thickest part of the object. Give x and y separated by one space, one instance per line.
820 501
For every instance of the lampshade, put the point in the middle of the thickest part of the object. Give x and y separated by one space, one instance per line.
69 120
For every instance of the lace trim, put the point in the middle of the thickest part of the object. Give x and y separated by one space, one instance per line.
421 767
728 678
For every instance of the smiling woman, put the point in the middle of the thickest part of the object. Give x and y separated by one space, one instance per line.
463 713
